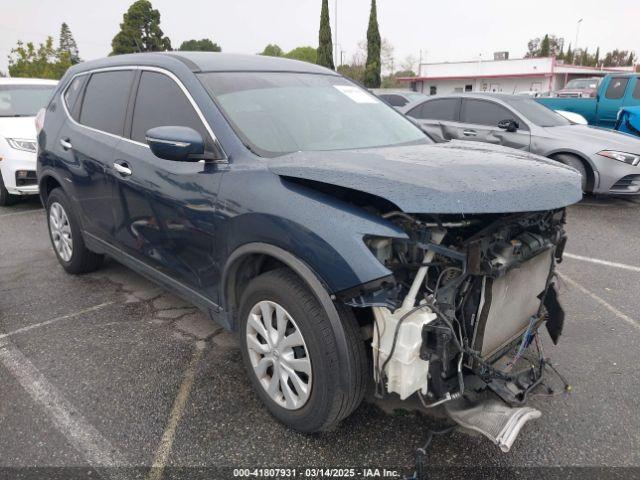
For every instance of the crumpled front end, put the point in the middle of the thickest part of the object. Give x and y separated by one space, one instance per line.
463 312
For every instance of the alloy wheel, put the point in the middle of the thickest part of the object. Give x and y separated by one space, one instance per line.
279 355
60 231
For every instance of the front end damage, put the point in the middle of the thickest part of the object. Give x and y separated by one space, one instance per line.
462 311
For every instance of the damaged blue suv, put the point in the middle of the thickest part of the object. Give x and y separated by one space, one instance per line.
343 245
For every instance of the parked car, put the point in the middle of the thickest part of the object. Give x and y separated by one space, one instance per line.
323 226
20 100
397 97
580 88
614 92
607 160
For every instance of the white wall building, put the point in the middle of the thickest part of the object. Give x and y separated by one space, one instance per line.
506 76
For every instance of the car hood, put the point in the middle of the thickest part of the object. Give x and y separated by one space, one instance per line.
455 177
18 127
591 139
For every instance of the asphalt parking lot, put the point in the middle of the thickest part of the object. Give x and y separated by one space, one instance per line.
108 370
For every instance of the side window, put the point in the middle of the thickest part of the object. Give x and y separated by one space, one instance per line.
442 109
161 102
616 88
105 101
483 112
394 100
72 94
636 90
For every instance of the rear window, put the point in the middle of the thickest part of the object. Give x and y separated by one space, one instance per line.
616 88
442 109
394 100
105 101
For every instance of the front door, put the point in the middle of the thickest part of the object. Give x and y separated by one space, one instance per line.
479 120
165 210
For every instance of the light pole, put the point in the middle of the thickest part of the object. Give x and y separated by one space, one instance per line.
335 28
575 45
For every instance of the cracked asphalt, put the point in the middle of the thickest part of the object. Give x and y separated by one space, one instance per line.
148 376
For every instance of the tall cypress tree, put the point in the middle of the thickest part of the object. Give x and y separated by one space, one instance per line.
68 44
545 46
372 70
325 46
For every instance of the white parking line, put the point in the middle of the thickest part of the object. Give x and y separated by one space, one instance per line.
23 212
53 320
96 450
604 303
166 443
597 261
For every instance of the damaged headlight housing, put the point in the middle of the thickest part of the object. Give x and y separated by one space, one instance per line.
630 158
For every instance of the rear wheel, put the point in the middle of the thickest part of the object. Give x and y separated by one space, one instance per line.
6 199
575 162
66 237
290 353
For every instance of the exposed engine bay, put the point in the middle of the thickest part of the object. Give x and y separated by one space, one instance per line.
463 312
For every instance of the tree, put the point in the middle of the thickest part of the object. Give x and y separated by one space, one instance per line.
68 44
631 59
42 62
560 55
596 59
204 45
584 57
272 50
545 48
325 45
140 31
373 66
568 58
354 71
306 54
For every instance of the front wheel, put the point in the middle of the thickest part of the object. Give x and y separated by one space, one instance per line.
575 162
6 199
290 353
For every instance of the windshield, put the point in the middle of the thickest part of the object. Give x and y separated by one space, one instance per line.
23 100
536 113
281 112
582 83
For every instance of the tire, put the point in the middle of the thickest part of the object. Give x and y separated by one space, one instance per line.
6 199
325 404
575 162
77 258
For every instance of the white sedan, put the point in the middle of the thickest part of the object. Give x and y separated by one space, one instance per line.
20 100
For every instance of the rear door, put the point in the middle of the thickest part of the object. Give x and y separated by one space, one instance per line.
438 117
480 118
610 105
165 210
96 105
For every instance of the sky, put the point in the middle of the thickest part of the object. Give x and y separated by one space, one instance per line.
453 30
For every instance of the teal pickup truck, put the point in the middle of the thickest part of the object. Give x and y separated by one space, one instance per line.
614 92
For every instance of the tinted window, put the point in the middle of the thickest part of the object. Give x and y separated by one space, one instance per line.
281 112
483 112
616 88
161 102
72 94
394 100
105 101
442 109
636 90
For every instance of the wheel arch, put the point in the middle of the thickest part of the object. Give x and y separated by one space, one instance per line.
592 172
259 257
46 183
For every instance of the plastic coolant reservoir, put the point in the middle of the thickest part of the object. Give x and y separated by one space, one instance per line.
406 372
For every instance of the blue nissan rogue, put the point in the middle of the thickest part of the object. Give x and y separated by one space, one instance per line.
342 244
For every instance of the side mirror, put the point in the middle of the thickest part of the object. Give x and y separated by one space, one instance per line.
509 125
180 144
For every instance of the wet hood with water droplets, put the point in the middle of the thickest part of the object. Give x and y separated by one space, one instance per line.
455 177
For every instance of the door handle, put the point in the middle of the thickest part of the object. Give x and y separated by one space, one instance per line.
66 144
470 133
122 168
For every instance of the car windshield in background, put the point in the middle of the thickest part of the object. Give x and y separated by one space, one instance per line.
579 83
278 113
537 113
23 100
